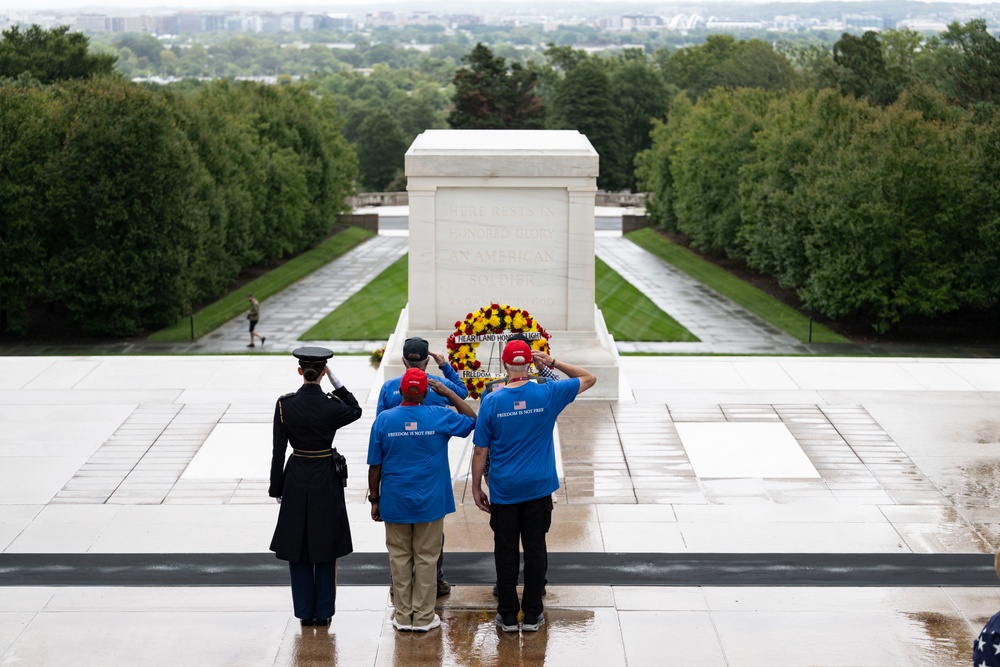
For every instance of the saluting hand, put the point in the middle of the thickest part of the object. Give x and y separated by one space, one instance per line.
438 358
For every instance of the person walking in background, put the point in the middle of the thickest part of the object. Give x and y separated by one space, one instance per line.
417 354
515 427
253 314
312 530
409 487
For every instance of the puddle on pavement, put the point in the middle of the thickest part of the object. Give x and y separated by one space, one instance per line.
939 639
980 484
470 638
988 432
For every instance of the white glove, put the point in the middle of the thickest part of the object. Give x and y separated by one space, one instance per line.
337 384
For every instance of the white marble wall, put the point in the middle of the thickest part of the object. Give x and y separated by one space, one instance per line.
504 216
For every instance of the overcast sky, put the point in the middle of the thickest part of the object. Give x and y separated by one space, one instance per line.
357 6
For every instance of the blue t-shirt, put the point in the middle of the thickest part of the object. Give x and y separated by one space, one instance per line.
410 442
516 425
389 396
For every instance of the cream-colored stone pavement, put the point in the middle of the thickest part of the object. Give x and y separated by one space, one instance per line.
108 455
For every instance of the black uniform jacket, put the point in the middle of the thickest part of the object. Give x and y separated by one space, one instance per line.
312 519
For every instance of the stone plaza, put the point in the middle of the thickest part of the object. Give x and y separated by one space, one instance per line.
872 466
743 501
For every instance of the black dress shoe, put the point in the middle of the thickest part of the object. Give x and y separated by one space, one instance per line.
321 622
307 621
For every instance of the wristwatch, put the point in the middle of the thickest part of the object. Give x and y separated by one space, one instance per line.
373 500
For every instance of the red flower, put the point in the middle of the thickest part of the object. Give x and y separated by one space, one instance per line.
475 365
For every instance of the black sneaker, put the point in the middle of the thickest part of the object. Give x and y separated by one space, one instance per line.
508 625
263 340
251 345
443 587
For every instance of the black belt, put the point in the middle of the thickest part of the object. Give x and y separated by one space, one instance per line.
312 454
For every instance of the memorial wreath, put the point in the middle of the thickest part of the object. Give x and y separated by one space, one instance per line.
494 323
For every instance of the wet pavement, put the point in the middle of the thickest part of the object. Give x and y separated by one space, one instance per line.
886 464
123 459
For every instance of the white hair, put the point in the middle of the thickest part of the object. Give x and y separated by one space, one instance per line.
518 369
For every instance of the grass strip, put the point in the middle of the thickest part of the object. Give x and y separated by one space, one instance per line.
233 304
760 303
629 313
371 313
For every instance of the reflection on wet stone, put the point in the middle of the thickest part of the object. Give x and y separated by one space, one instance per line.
941 639
314 647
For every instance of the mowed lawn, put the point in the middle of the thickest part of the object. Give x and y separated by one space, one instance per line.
371 314
213 316
762 304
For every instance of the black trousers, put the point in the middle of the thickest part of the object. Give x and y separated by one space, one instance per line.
526 523
314 589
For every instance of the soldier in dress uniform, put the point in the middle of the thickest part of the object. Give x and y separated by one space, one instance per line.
312 530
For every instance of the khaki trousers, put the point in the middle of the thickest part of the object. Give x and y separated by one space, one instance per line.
413 553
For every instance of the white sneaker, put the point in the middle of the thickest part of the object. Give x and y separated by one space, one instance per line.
533 627
401 627
435 623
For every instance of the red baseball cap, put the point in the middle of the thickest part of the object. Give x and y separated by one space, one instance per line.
516 353
413 383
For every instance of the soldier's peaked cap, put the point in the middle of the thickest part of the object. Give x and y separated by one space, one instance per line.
312 355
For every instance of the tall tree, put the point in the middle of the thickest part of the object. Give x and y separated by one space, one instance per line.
584 101
381 147
717 143
723 61
488 95
640 95
976 72
859 69
50 55
653 165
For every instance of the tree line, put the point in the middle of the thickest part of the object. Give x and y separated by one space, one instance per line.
863 176
124 206
870 188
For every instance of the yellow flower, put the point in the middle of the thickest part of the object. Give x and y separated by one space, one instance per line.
478 326
494 321
518 321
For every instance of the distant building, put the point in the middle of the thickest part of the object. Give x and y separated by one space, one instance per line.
864 21
189 23
335 22
732 26
926 26
640 22
167 25
92 23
